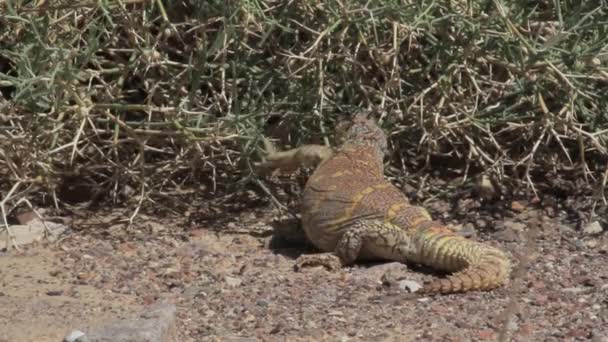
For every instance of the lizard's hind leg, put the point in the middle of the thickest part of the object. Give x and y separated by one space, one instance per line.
364 239
374 239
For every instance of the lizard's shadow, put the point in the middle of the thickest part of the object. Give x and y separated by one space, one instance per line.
288 238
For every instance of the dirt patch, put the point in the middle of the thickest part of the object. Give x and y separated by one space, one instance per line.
233 280
39 303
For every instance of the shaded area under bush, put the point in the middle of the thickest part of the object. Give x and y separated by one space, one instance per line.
152 102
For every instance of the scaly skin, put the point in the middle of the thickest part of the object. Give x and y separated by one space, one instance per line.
350 210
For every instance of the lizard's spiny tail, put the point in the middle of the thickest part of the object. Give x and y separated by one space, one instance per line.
477 266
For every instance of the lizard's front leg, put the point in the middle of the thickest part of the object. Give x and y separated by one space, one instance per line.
291 160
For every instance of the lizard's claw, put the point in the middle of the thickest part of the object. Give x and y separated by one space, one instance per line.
327 260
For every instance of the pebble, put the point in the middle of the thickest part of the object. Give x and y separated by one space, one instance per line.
593 228
485 188
564 229
516 226
574 290
191 292
599 337
591 243
156 323
481 224
540 300
517 206
507 235
409 285
385 273
467 230
75 336
335 313
232 281
31 232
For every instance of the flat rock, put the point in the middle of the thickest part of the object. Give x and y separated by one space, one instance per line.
387 272
599 337
232 281
75 336
593 228
155 324
409 285
32 231
515 226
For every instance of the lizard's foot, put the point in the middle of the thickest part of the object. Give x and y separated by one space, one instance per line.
291 160
327 260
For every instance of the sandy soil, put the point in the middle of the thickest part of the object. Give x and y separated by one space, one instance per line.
233 280
40 302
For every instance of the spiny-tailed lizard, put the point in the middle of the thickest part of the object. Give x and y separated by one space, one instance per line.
351 212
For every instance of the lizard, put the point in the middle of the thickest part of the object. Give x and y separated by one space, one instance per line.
351 212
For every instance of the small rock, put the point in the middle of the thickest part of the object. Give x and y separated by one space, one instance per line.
382 273
54 293
155 324
232 338
507 235
549 211
25 217
409 285
599 337
574 290
487 334
232 281
579 244
467 230
538 284
33 231
191 292
485 188
517 207
564 229
593 228
591 243
276 329
261 303
311 325
516 226
540 300
75 336
512 325
155 227
481 224
526 329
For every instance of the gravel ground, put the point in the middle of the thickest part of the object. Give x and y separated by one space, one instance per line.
232 279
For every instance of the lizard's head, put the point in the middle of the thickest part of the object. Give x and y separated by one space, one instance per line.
362 130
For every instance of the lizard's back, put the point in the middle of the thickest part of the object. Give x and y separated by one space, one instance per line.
348 187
